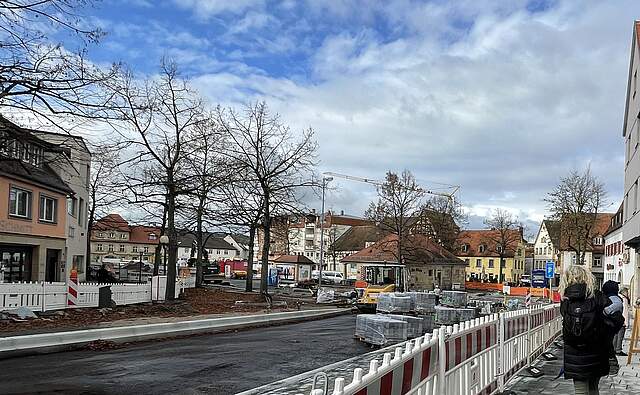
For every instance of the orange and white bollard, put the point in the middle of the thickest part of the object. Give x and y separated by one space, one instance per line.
72 291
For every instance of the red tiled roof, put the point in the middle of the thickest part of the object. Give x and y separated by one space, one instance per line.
296 259
140 234
473 239
420 250
603 220
111 222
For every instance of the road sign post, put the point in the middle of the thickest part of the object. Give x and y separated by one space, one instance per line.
550 270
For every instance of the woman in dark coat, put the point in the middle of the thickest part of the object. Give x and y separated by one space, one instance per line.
586 353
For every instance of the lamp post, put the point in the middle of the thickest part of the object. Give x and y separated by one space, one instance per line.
325 181
140 269
164 241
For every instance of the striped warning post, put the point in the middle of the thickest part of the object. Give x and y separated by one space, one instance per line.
72 291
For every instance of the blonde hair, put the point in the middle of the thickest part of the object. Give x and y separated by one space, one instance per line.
576 274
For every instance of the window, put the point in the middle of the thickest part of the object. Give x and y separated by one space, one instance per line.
490 263
121 249
110 247
146 250
478 262
135 248
72 232
112 235
464 248
467 262
573 259
597 241
99 247
20 203
72 206
635 197
218 252
152 236
482 248
597 261
81 212
123 236
101 235
499 248
226 252
48 209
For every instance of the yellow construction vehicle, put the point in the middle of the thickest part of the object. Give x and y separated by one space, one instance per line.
379 278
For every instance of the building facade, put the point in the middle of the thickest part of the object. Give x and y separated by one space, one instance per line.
546 246
481 254
216 247
73 167
114 240
631 136
33 206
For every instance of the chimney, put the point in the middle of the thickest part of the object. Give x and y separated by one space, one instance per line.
341 212
313 211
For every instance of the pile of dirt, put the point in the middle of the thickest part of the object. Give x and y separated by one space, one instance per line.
193 302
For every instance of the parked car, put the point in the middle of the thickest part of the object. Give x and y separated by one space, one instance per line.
328 277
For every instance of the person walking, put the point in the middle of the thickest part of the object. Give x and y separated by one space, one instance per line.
619 337
586 356
614 321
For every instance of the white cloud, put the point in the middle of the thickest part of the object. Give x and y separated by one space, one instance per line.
204 9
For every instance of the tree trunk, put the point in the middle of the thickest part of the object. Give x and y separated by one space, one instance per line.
170 293
200 247
266 228
249 284
501 264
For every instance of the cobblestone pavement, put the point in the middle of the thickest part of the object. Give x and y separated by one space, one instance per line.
626 382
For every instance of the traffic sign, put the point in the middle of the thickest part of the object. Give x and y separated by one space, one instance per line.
550 269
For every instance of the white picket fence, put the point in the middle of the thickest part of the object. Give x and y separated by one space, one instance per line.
46 296
471 358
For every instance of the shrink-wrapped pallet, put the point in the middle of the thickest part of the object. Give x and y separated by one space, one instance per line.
414 324
453 298
423 302
451 315
380 329
428 322
393 303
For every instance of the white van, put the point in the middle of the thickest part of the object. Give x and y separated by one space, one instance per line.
328 276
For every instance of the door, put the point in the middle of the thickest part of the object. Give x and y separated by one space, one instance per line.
52 266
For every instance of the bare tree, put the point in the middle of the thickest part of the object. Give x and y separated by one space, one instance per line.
205 169
576 202
44 77
273 160
155 119
103 183
506 235
398 204
443 218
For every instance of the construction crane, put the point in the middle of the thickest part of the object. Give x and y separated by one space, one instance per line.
450 196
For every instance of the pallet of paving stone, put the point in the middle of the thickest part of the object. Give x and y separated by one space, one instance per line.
380 329
393 303
428 322
451 315
414 324
423 302
453 298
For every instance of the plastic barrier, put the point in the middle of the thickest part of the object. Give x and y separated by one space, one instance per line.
474 357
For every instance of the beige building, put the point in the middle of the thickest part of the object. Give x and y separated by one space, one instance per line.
114 240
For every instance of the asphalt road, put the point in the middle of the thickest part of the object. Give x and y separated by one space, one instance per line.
207 364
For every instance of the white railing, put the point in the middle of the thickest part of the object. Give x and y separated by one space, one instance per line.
475 357
43 296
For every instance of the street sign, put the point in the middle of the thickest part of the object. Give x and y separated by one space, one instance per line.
550 269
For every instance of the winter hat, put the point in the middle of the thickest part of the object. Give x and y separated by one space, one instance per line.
610 288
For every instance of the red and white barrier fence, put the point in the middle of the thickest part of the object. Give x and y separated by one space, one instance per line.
471 358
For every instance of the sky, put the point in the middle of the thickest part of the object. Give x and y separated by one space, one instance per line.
499 97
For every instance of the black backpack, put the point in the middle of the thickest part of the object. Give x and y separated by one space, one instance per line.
581 324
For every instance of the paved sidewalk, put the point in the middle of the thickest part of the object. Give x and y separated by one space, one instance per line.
626 382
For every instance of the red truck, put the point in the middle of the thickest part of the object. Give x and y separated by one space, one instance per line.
234 269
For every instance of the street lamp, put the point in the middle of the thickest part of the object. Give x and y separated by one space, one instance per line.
164 241
325 181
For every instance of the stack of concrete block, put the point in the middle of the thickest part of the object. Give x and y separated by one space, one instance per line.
428 322
453 298
414 324
449 315
393 303
380 329
423 302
